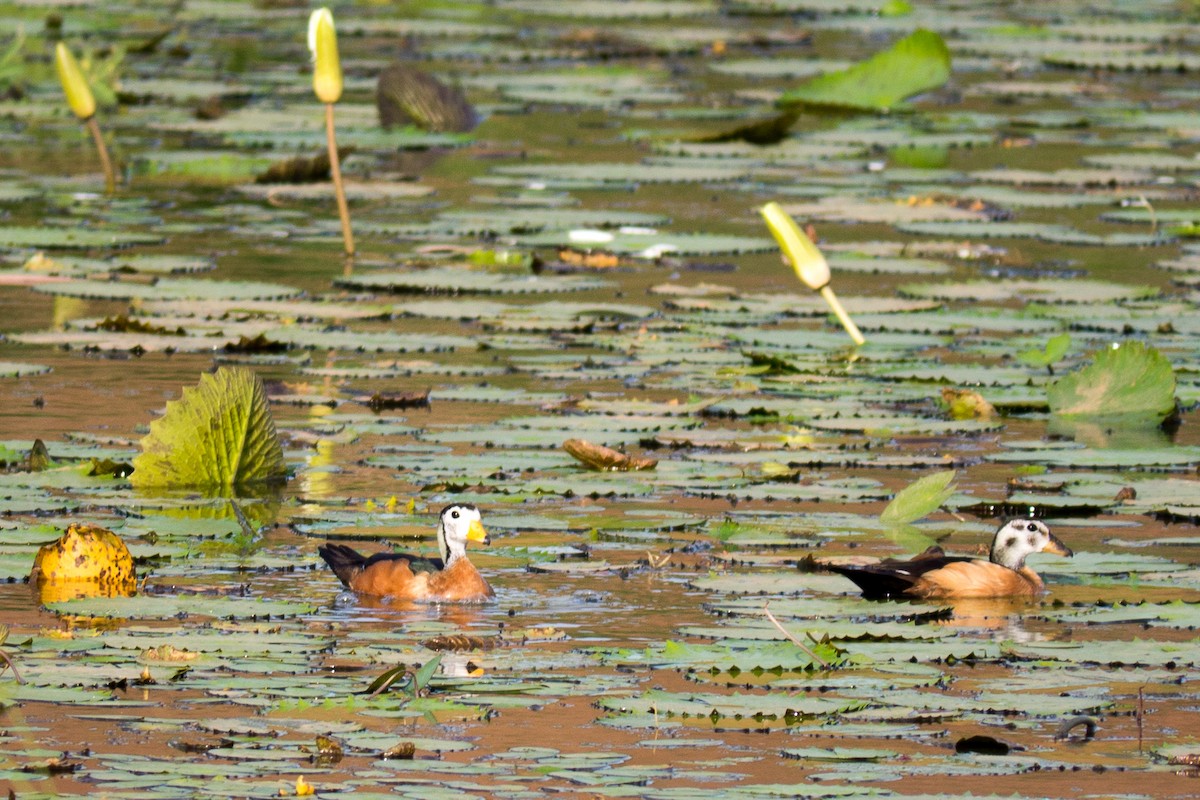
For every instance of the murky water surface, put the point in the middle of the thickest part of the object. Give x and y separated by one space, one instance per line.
627 652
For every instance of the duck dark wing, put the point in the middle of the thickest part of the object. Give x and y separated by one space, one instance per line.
894 577
347 562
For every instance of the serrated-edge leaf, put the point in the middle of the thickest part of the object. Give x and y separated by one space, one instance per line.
219 434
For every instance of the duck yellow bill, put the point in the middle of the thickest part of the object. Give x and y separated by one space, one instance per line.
1056 547
477 533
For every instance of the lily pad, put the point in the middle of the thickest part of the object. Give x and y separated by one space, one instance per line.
73 238
181 606
469 282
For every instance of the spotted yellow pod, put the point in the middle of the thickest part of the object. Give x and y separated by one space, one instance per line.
327 67
85 553
75 86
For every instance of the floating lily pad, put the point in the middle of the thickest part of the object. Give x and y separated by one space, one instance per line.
1046 291
170 289
469 282
16 369
649 244
73 238
167 607
624 173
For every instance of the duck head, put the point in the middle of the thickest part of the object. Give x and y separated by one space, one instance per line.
1020 538
458 524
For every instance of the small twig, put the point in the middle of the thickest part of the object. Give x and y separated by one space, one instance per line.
335 170
793 639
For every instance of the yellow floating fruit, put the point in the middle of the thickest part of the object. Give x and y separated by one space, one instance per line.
86 554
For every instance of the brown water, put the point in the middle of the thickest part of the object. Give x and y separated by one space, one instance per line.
632 605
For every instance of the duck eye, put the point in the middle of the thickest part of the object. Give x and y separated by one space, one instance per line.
1032 527
454 513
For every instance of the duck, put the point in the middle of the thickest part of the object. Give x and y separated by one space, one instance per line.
933 574
400 576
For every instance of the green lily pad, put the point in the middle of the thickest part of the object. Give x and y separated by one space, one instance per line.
170 289
179 606
1046 291
72 238
469 282
16 369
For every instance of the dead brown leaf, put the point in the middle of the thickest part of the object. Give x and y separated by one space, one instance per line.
605 459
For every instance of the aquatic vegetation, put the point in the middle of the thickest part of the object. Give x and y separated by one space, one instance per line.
327 85
83 105
917 63
590 263
810 266
218 436
1127 379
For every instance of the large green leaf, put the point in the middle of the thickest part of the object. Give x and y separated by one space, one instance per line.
914 64
220 434
919 499
1129 379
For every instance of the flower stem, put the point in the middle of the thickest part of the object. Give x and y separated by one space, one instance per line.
110 179
335 169
840 312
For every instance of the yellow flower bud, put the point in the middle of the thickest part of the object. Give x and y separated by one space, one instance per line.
75 86
327 68
807 261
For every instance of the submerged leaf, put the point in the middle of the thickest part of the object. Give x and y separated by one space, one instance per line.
1126 379
220 434
919 499
917 63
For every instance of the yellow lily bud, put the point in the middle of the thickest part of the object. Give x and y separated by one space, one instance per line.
327 68
75 87
806 259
